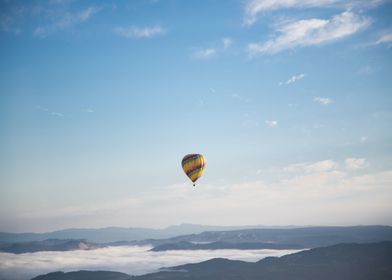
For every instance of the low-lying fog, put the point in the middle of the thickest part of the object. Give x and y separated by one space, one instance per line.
132 260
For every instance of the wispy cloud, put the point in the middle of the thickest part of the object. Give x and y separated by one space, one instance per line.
254 7
385 38
327 166
56 114
240 97
140 32
355 163
43 18
310 32
271 123
214 50
205 53
49 112
323 100
227 42
320 166
65 21
293 79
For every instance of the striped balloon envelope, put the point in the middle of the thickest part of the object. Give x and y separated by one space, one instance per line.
194 166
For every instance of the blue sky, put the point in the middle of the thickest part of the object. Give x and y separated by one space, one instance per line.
290 102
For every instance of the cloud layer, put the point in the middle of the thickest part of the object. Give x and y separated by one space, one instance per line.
132 260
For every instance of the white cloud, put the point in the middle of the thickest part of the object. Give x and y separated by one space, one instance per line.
85 15
323 100
56 114
271 124
316 180
49 112
355 163
293 79
65 21
227 42
133 260
386 38
310 32
327 166
52 16
240 97
363 139
320 166
140 32
254 7
217 48
205 53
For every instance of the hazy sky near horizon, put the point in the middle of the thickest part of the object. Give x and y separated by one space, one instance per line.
289 101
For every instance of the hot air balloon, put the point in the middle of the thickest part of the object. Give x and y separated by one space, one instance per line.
194 166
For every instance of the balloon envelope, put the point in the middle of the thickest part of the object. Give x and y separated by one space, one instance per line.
194 166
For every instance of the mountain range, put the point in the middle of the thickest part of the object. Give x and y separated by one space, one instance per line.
113 234
289 238
261 238
48 245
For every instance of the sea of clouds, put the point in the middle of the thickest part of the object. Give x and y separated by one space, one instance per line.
133 260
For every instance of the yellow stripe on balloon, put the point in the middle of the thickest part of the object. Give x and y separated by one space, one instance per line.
197 174
190 165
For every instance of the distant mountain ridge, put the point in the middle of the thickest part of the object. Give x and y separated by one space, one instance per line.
84 275
48 245
184 245
307 237
338 262
114 234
